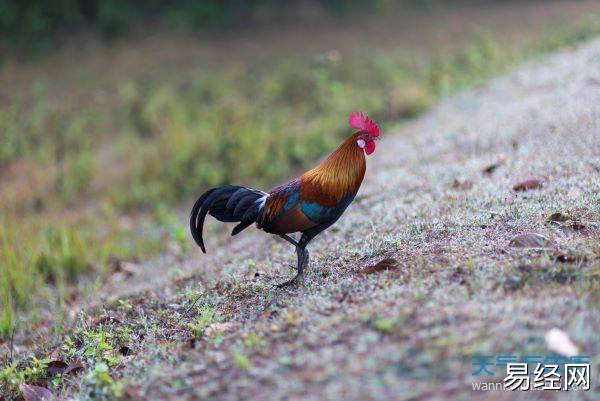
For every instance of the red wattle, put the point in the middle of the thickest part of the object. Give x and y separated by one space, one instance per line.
370 147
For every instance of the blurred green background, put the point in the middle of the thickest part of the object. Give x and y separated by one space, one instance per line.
115 115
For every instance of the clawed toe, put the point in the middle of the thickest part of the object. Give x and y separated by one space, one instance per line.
296 280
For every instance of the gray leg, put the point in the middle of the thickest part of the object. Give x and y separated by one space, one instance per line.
293 242
302 261
289 239
303 257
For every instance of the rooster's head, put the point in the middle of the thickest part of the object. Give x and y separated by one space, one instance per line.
368 131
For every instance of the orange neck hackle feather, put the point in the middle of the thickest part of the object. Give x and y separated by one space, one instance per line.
340 174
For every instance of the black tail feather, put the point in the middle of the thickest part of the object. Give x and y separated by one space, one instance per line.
228 204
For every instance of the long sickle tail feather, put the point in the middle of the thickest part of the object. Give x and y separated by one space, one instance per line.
228 203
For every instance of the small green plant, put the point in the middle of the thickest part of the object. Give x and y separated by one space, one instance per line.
100 382
98 344
124 303
383 325
12 376
254 341
241 361
206 317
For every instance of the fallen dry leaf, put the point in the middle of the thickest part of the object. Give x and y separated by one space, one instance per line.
35 393
61 368
383 265
106 320
558 217
56 368
73 368
559 342
566 221
531 183
529 240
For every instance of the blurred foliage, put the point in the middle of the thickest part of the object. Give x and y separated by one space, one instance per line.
159 142
33 22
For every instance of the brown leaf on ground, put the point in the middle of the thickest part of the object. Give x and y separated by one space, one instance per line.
35 393
529 240
565 221
531 183
383 265
56 368
106 319
61 368
74 368
558 217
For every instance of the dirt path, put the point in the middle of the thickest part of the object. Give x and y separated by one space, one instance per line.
454 289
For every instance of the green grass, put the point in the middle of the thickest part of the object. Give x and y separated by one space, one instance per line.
38 259
158 143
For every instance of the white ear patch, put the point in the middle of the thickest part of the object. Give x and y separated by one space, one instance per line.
361 143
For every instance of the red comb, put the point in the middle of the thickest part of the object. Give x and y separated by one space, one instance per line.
360 121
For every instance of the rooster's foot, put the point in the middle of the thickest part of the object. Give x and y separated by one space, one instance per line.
298 279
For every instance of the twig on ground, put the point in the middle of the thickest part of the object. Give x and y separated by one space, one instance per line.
190 307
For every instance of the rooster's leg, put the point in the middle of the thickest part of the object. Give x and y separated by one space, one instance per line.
302 261
289 239
299 269
303 257
293 242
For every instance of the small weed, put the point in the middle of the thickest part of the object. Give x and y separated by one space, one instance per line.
291 318
383 325
206 317
241 361
124 303
254 341
12 376
101 384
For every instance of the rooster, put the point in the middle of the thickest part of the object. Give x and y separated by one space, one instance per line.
308 204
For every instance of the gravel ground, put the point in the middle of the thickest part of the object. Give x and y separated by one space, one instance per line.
450 285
